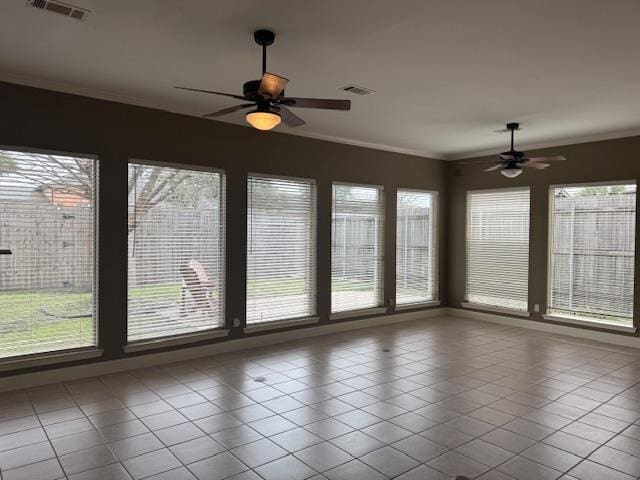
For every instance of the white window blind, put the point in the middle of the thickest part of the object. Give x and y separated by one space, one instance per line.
357 247
47 284
592 251
176 251
498 247
416 247
281 243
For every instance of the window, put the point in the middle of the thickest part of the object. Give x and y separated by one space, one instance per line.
498 248
281 243
357 247
47 284
176 251
592 243
416 247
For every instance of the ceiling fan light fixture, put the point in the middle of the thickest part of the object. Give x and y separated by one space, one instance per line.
263 120
511 172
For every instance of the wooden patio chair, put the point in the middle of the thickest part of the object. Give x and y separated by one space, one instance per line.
196 285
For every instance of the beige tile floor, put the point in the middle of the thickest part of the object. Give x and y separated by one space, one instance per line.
425 400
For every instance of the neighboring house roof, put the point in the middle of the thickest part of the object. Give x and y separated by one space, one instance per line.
14 188
67 196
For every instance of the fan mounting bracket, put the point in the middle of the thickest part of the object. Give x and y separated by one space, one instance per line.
264 37
513 126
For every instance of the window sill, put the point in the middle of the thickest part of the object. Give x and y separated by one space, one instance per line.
357 313
39 359
494 309
415 306
277 324
588 322
143 345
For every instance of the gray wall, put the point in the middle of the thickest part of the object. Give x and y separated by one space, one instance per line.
587 162
116 132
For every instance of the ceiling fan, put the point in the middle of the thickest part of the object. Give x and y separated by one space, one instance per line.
267 96
510 163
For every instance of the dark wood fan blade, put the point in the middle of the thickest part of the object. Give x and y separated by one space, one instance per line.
556 158
224 111
272 86
537 166
324 103
290 118
477 162
209 91
495 167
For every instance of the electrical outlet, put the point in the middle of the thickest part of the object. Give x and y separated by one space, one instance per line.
536 307
236 322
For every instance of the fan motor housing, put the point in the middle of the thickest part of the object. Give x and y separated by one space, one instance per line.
250 89
513 153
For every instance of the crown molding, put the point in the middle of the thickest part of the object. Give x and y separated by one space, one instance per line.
112 96
563 142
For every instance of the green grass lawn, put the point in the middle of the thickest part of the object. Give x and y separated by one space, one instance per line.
33 305
295 286
31 321
256 288
62 334
158 290
38 318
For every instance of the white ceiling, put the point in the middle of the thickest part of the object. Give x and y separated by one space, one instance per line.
447 73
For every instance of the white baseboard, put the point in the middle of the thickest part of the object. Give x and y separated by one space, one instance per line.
598 336
34 379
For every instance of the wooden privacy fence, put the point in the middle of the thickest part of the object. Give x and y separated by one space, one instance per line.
167 238
594 253
52 247
354 237
414 244
266 232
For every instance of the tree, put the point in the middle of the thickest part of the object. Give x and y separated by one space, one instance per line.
601 190
149 186
43 170
7 164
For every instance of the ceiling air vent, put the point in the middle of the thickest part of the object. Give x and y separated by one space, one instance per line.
59 7
357 90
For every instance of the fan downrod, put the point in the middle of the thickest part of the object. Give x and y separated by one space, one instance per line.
264 38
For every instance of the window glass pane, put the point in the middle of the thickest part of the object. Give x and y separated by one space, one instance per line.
416 247
357 247
176 251
592 252
47 220
281 223
498 248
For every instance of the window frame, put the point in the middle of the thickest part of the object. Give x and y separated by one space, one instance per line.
286 322
487 307
575 319
435 247
92 351
382 307
223 329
